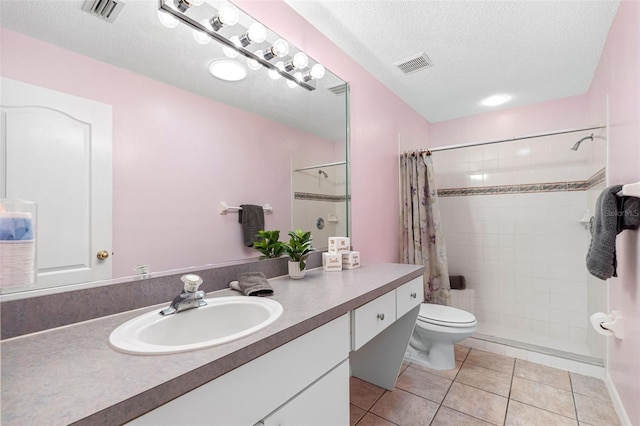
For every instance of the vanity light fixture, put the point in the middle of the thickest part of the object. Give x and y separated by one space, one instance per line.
229 52
173 11
299 61
227 16
279 49
200 36
167 20
257 33
183 5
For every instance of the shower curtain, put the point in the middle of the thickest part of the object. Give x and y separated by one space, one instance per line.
422 236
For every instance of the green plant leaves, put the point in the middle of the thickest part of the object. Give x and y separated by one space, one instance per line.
269 244
299 246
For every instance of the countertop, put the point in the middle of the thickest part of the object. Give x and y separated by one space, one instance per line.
71 374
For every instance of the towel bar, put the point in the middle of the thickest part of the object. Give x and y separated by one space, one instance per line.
223 208
630 190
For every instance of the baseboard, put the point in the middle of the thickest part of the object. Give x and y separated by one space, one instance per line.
617 402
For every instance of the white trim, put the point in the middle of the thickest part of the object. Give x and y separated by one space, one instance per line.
617 402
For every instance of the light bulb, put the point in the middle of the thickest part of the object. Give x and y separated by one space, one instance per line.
299 61
279 49
257 34
298 76
292 84
166 19
253 64
275 74
317 71
200 36
228 51
227 16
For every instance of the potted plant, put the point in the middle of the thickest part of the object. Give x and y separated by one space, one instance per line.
269 244
298 249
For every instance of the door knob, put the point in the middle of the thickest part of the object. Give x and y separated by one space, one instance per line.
102 254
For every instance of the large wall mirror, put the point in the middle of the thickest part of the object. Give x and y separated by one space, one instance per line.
122 123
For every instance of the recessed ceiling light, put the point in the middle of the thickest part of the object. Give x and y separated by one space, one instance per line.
227 70
496 100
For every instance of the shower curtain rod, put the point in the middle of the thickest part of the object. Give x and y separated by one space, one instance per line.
538 135
337 163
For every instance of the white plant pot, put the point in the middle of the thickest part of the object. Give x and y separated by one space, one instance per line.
294 270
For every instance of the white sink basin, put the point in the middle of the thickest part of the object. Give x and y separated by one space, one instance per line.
223 320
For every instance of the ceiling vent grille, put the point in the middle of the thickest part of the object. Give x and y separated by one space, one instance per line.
338 90
414 64
107 10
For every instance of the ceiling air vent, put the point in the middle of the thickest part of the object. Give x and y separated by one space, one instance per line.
107 10
338 90
414 64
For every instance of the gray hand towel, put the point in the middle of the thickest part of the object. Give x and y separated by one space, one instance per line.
252 284
252 219
613 215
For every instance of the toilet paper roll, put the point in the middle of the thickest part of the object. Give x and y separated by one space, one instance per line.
597 319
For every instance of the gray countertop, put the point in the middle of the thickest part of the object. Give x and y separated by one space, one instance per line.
71 374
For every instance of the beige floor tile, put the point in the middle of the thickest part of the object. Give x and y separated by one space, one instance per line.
496 362
589 386
363 394
404 408
447 374
461 352
485 379
542 374
373 420
543 396
423 384
519 414
448 417
355 414
477 403
595 411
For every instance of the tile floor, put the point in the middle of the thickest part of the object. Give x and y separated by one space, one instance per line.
484 389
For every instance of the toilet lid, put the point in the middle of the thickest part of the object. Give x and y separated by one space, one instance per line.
445 315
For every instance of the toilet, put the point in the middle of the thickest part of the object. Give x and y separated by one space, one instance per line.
437 329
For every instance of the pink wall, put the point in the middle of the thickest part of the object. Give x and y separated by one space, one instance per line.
379 120
165 168
559 114
618 77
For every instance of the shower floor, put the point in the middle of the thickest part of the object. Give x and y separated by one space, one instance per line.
531 341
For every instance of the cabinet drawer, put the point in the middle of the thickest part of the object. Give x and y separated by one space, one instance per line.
409 295
370 319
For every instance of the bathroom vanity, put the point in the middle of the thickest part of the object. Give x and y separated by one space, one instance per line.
296 368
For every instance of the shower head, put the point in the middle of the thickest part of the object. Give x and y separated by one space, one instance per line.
321 172
577 144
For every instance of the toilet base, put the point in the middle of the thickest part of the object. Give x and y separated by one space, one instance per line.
440 356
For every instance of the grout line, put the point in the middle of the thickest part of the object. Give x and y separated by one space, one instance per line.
573 397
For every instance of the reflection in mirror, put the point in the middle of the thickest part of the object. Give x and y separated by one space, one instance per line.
179 141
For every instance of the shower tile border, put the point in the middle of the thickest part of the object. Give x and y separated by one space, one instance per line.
310 196
528 188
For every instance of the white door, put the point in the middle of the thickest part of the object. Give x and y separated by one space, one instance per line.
56 152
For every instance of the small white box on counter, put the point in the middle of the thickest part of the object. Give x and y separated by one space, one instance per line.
351 260
339 245
331 262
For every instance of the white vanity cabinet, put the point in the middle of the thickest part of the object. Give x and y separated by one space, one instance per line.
380 333
273 385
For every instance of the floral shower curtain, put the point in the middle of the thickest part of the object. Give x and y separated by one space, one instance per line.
422 236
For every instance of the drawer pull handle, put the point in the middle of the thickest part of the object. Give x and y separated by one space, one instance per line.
381 317
413 295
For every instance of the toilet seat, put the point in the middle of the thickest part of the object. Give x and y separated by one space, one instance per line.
445 316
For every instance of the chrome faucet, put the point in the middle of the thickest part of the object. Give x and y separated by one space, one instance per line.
190 297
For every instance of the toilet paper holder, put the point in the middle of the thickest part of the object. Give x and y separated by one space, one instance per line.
609 325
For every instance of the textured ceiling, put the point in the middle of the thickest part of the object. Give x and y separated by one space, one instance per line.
533 50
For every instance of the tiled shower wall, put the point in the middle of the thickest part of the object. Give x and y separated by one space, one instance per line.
523 253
